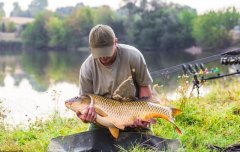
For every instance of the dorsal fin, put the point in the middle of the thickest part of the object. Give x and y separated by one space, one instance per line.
176 112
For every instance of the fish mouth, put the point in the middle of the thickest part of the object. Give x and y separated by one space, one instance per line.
78 113
68 104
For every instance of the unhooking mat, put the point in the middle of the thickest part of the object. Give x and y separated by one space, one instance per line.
103 141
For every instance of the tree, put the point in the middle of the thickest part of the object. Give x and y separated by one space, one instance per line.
129 15
37 6
103 15
56 32
36 34
186 18
211 30
78 26
162 28
16 10
2 12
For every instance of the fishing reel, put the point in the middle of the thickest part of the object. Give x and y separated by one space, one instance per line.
195 70
231 57
230 60
201 74
199 70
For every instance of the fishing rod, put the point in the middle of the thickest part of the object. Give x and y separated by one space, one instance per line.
197 69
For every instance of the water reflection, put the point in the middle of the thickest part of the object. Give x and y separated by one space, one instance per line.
34 84
25 105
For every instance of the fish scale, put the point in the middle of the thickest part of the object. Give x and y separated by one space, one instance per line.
128 106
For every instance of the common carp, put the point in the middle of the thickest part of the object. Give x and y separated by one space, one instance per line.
117 115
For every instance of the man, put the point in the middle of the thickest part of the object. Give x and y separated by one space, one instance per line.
113 70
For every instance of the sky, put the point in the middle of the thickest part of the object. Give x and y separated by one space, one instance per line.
200 5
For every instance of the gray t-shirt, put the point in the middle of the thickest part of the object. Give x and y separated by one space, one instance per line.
118 80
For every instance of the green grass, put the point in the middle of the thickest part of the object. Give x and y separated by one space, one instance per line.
39 134
210 120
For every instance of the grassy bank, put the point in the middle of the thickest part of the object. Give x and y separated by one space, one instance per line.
39 134
210 120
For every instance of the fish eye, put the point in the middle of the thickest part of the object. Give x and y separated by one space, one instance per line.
73 99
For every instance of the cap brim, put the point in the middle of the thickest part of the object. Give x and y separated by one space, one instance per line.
102 52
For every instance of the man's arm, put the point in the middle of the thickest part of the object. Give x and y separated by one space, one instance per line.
145 92
86 86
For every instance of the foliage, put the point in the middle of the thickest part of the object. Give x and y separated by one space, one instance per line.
10 26
36 34
56 32
163 26
186 18
129 14
150 25
2 12
103 15
37 6
211 30
78 25
153 25
17 11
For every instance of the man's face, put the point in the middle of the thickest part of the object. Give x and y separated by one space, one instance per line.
109 60
105 60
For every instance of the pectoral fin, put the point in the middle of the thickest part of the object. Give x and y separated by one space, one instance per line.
104 121
100 112
114 131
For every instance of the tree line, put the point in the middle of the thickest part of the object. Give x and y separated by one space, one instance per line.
150 25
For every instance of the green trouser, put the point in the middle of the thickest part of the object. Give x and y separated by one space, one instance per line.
127 129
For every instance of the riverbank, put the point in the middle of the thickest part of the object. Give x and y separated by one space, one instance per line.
13 45
10 41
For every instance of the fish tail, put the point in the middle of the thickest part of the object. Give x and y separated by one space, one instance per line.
176 112
176 127
178 130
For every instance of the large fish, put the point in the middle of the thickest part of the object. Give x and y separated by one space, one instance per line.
117 115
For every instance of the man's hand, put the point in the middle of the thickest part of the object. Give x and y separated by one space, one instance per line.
88 115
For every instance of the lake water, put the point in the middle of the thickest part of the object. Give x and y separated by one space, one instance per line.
35 84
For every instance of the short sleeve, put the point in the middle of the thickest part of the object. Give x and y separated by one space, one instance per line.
139 68
85 81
